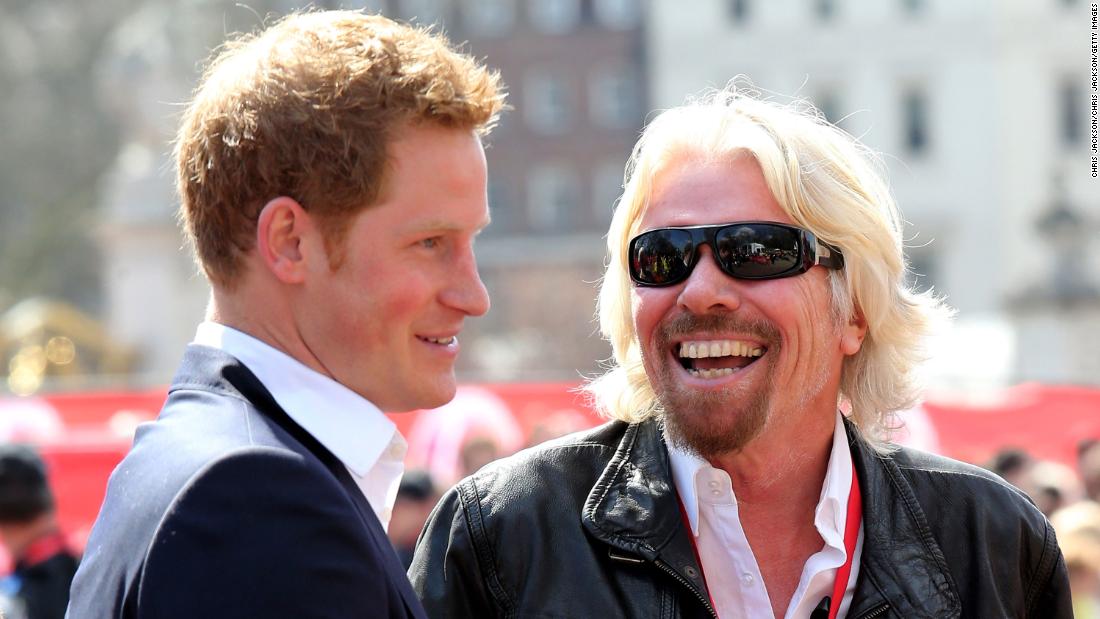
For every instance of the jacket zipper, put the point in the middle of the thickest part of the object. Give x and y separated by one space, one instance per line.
876 612
706 603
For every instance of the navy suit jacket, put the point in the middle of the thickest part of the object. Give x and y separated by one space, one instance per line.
225 507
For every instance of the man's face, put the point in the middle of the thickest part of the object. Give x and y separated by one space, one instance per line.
779 346
384 323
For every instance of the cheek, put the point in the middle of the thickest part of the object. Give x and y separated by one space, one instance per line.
647 306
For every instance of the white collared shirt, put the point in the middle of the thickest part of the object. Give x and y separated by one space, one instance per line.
732 573
348 425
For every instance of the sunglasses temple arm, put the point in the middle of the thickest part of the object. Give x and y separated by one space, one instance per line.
826 256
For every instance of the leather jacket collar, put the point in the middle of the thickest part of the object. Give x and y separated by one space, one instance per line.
634 509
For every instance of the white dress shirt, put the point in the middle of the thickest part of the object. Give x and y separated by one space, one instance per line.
732 573
348 425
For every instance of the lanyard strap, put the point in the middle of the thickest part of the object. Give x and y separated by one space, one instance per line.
851 536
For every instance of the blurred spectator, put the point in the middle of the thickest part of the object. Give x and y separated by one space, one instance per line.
477 451
1051 485
416 496
477 421
38 587
1078 530
1012 464
1088 466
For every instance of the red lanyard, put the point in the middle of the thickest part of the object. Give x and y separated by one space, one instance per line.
851 536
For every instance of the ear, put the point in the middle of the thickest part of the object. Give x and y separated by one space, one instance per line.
852 334
282 231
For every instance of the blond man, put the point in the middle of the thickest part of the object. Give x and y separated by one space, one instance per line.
332 181
763 333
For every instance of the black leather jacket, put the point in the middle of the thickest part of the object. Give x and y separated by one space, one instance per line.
589 526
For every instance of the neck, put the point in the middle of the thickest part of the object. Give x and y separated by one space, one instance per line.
777 479
782 471
264 318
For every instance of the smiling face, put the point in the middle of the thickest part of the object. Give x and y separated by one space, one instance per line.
731 360
385 321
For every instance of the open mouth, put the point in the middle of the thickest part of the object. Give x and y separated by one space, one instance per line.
442 341
717 358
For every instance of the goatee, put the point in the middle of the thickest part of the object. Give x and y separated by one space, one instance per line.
712 423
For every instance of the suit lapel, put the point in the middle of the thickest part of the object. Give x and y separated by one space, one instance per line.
234 376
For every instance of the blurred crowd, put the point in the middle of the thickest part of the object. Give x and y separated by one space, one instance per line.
449 444
1071 500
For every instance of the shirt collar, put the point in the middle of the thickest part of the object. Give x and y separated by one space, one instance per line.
351 427
831 507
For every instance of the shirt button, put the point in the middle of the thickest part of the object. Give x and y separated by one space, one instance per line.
713 484
716 492
747 579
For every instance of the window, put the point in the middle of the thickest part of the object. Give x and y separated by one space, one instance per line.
502 207
489 17
618 14
738 10
913 7
548 107
421 11
554 16
1070 112
552 197
614 97
607 187
825 9
914 114
829 106
921 274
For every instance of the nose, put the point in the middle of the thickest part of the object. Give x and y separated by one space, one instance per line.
708 289
465 291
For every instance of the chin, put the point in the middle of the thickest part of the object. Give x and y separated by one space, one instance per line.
435 395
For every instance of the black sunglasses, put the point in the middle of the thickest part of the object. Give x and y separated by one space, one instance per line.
742 249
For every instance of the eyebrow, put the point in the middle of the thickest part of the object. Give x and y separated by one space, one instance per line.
447 226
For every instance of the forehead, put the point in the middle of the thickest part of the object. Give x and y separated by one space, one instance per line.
695 192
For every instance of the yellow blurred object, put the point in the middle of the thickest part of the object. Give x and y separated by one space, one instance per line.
52 343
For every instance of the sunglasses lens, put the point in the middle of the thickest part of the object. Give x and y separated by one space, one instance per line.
758 251
660 257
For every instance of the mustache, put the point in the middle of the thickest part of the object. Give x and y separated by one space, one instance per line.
687 324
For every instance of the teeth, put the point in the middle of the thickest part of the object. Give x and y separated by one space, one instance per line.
715 373
719 348
441 340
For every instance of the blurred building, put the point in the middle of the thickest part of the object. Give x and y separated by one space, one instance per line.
979 107
575 71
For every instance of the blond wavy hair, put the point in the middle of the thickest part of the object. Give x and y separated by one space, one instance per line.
828 183
306 109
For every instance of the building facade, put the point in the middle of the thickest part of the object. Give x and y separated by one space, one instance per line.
979 109
575 73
